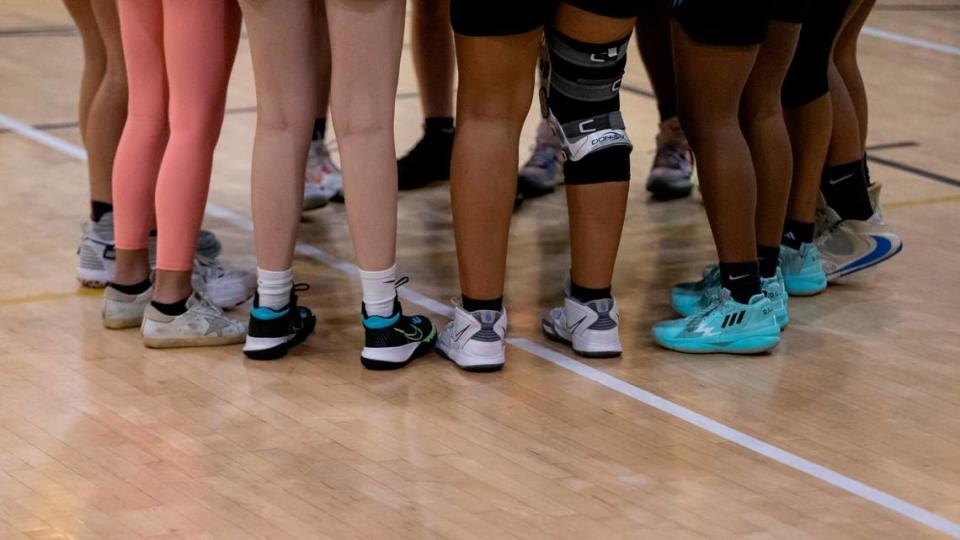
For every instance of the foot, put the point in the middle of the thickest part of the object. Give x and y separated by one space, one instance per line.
848 246
726 326
695 296
592 329
803 273
121 310
202 325
475 341
673 166
272 332
544 170
324 181
226 288
427 162
97 254
393 342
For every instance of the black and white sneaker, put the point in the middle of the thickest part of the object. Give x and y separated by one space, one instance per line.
272 332
393 342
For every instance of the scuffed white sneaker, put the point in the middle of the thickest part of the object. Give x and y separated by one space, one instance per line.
226 288
324 181
96 252
848 246
121 310
202 325
591 329
475 341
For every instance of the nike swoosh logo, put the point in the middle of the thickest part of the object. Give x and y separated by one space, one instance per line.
841 179
734 278
879 254
573 327
417 335
460 333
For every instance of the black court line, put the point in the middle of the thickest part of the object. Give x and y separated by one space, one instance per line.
40 31
888 146
923 173
917 7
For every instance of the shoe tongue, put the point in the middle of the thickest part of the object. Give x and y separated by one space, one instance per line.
486 316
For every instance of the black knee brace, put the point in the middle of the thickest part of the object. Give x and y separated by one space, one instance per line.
580 95
807 78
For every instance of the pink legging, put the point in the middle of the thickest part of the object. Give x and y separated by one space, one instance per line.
179 54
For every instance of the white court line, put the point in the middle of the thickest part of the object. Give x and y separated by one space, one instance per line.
910 40
678 411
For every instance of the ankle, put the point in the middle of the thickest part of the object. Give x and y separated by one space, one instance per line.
475 304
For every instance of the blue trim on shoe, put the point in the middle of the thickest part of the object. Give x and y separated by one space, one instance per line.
880 253
377 322
268 314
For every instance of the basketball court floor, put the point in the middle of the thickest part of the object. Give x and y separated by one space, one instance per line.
850 429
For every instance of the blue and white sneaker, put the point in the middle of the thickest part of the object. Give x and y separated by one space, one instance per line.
475 340
591 328
726 326
803 273
272 332
848 246
393 342
695 296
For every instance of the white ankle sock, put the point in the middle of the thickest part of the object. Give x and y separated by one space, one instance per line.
379 290
274 287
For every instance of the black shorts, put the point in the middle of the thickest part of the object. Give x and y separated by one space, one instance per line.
790 11
724 22
481 18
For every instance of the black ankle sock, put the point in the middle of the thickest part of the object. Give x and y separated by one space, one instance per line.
98 209
438 126
845 189
796 233
471 304
866 169
136 288
174 309
319 128
585 294
768 258
742 279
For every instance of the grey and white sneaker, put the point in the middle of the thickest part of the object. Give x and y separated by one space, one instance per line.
121 310
673 169
226 288
96 252
324 181
544 170
592 329
202 325
475 341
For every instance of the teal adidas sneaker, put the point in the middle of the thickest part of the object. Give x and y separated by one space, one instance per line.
726 326
802 270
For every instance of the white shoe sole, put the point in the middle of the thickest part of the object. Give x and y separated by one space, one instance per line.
587 351
120 324
93 279
386 358
471 362
199 341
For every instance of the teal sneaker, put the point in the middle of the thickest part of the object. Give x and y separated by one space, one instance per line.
726 326
694 297
802 270
690 297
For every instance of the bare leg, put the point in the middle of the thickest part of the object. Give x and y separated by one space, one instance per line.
322 57
710 82
654 42
433 56
366 33
494 95
108 111
761 117
283 49
845 60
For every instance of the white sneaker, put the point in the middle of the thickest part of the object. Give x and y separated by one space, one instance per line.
121 310
592 329
202 325
224 287
475 341
97 255
324 181
848 246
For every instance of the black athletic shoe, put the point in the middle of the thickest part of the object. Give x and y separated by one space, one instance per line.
272 332
427 162
392 342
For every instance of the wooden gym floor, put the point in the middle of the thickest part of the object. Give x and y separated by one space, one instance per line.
851 428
